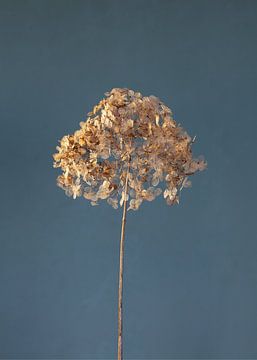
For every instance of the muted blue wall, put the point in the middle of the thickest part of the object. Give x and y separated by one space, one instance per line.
190 270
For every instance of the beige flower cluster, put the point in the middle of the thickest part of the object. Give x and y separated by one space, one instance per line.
127 136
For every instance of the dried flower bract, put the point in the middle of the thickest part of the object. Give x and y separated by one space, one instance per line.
127 133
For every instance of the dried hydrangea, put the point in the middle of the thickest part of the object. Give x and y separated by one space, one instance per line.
127 133
129 149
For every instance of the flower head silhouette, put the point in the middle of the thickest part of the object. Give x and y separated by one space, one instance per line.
127 130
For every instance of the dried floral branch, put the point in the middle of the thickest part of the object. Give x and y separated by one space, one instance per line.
94 160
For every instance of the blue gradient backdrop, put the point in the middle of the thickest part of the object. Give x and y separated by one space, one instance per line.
190 270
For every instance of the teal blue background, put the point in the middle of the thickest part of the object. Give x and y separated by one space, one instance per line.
190 287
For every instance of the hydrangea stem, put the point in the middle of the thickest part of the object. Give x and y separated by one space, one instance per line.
120 312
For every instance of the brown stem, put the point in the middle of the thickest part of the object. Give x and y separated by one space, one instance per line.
123 223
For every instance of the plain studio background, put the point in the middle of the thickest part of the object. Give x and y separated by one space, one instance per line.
190 286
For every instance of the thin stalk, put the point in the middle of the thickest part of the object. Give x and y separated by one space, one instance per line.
120 312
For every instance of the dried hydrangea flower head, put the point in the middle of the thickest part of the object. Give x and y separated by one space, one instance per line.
127 133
